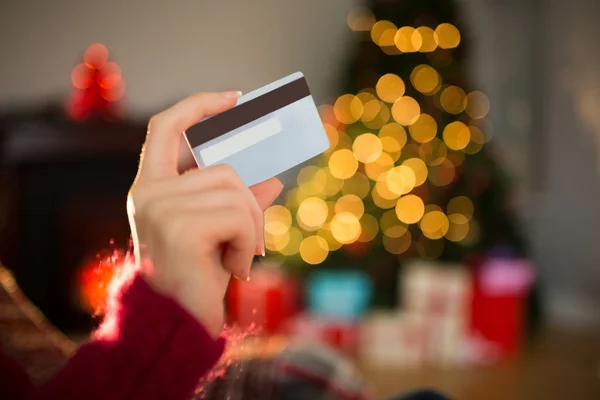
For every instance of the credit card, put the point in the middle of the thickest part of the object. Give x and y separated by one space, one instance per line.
267 132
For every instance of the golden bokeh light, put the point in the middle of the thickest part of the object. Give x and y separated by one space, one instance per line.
461 205
400 180
386 41
312 213
456 157
314 250
425 79
278 220
371 106
419 168
433 152
391 226
343 164
391 147
379 28
459 228
395 131
367 148
453 100
332 185
357 185
428 42
369 228
325 233
406 110
397 245
380 166
390 87
345 227
293 245
332 134
408 39
434 225
312 180
423 129
380 201
383 190
410 209
348 109
429 249
473 236
457 135
443 174
350 203
291 201
447 36
478 105
381 119
477 141
277 242
360 19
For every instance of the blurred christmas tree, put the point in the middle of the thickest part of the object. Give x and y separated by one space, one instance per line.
409 172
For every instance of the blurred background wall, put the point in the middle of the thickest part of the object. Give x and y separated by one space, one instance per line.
536 59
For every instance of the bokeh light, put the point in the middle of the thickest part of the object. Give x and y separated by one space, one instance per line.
380 166
383 190
343 164
332 134
400 180
367 147
423 129
378 30
325 233
360 19
478 105
109 76
312 213
443 174
293 246
96 56
453 100
397 245
428 42
380 201
406 110
82 76
333 185
457 135
278 220
314 250
419 168
350 203
477 141
369 228
371 106
447 36
461 205
391 226
434 152
277 242
458 229
348 109
312 180
397 133
357 185
425 79
390 87
434 225
410 209
345 227
408 39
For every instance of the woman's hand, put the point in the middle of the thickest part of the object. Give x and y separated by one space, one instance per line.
191 231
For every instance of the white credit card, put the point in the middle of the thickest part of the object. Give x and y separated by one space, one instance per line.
267 132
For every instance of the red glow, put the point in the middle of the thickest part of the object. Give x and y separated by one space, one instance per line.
82 76
114 93
94 280
109 76
96 56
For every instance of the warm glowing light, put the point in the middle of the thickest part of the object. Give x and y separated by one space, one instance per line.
369 228
327 115
443 174
114 93
381 119
447 36
109 76
357 185
391 226
424 129
371 106
393 139
383 190
367 148
453 100
457 135
380 166
95 278
345 227
312 213
410 209
332 134
406 110
361 19
391 147
434 225
390 87
350 203
478 105
82 76
380 201
401 180
96 56
473 236
312 180
419 168
293 246
332 184
433 152
425 79
386 41
397 245
325 233
428 42
408 39
461 205
278 220
276 242
379 28
343 164
477 141
314 250
348 109
459 228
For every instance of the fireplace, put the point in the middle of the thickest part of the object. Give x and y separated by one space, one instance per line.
63 188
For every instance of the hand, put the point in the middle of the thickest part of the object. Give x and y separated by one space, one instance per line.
191 231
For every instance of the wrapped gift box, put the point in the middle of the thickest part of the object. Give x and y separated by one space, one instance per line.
337 333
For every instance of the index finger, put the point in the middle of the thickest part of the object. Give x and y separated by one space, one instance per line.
160 154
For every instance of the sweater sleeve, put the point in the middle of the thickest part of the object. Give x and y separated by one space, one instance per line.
150 348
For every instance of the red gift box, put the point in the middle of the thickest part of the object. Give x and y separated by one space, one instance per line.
266 302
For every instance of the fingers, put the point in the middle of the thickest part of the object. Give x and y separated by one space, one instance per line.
160 156
266 192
